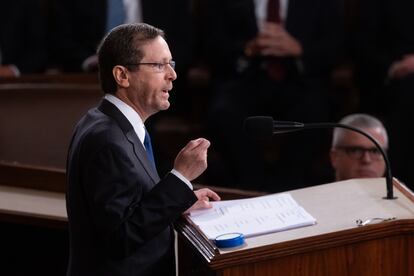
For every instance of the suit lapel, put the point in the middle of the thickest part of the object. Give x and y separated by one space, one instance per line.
142 155
112 111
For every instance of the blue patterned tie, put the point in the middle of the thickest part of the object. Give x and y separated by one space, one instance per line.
115 14
148 148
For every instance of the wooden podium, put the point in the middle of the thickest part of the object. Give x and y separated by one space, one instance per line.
335 246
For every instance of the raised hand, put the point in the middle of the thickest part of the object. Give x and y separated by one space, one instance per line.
274 40
191 161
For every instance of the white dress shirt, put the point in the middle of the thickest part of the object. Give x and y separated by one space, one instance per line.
260 7
133 11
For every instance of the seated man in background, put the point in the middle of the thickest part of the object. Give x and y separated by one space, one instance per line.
354 155
273 60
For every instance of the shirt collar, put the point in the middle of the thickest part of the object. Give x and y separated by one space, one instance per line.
131 115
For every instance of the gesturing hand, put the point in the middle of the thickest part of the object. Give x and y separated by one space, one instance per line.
191 161
403 67
274 40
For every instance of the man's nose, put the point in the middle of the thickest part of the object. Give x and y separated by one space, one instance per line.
171 74
366 157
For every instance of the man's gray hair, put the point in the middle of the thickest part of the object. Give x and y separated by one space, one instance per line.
361 121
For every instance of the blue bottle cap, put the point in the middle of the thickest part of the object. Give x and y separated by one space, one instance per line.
229 240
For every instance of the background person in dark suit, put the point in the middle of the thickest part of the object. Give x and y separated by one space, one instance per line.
120 212
385 57
271 67
22 38
80 26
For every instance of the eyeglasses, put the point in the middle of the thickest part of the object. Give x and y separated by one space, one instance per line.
160 66
356 152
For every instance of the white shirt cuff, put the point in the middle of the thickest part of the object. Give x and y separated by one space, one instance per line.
182 178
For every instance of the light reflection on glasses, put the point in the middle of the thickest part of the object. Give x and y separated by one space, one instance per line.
159 66
356 152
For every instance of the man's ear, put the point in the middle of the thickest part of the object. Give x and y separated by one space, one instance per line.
121 76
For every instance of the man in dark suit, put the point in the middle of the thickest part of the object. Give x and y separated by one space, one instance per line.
120 212
271 65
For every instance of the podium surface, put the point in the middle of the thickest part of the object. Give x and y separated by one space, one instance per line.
336 245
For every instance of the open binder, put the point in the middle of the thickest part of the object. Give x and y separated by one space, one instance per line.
252 216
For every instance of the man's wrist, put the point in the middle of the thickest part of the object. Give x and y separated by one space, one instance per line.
182 178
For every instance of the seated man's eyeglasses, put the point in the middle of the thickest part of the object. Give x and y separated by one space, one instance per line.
159 66
356 152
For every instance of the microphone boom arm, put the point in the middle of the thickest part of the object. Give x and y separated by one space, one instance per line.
283 127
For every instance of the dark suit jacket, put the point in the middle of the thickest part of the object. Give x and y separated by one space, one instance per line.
82 26
119 210
384 34
316 24
22 35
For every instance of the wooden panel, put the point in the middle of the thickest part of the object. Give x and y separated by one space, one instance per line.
380 257
37 120
229 193
32 177
80 78
30 206
386 256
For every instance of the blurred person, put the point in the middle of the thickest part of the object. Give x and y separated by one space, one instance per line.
385 55
352 154
82 24
120 212
22 38
384 52
270 59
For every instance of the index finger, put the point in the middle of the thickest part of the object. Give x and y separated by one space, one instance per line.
209 193
198 143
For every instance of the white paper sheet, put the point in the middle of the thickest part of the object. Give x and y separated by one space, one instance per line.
252 216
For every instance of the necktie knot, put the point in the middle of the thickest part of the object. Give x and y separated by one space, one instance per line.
148 148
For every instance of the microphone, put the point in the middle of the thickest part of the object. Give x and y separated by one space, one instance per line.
264 127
